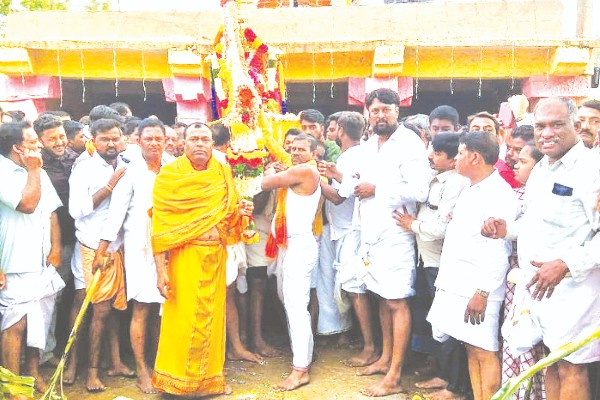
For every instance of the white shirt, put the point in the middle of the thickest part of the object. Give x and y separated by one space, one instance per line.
434 215
89 176
129 205
340 216
24 238
469 260
560 219
400 172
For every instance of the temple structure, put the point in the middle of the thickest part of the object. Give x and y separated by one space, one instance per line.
469 54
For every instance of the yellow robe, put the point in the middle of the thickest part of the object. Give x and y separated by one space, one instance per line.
187 205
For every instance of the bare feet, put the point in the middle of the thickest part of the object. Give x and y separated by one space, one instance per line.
433 383
40 384
384 387
243 354
94 384
379 367
366 357
267 351
228 390
293 381
121 370
445 394
144 383
70 375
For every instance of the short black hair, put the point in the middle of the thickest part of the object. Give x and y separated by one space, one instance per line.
57 113
446 113
104 112
310 139
413 128
121 108
179 125
333 117
293 132
312 115
484 114
535 153
46 121
595 104
16 115
11 134
130 125
484 143
524 132
71 128
195 125
446 142
151 122
386 96
104 124
352 123
220 134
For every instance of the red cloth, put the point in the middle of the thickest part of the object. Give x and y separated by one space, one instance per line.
507 173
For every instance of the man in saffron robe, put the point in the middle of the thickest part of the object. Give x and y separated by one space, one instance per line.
195 214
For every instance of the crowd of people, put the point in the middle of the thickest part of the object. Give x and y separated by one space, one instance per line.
493 228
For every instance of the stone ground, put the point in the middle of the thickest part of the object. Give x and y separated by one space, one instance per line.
330 380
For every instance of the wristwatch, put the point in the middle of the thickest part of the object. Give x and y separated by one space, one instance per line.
482 293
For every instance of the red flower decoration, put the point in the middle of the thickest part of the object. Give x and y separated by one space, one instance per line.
245 118
224 103
262 49
249 35
245 95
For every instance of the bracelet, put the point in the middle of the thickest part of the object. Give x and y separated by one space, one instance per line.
108 187
482 293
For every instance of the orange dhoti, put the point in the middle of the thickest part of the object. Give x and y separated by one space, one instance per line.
191 350
111 285
194 216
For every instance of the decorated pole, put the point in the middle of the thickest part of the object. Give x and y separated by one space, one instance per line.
248 97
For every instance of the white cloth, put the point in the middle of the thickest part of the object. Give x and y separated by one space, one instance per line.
349 268
469 260
31 294
24 238
332 320
236 265
560 222
340 216
447 319
129 205
77 267
434 215
400 171
295 264
89 176
255 252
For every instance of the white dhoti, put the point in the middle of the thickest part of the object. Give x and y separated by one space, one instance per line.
571 313
140 274
331 319
349 266
447 318
77 267
391 266
236 266
295 265
31 295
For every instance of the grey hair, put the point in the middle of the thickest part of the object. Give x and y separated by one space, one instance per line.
567 102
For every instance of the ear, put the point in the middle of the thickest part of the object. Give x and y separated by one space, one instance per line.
577 126
17 149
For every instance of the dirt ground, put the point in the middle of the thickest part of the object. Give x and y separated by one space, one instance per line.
330 380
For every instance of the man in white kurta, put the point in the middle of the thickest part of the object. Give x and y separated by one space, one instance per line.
472 275
129 209
29 248
394 175
345 234
559 248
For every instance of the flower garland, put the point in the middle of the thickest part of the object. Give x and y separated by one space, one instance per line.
246 84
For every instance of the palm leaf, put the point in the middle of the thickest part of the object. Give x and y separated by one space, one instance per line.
513 384
57 377
11 384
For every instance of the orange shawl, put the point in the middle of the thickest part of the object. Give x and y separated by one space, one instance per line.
280 220
187 203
